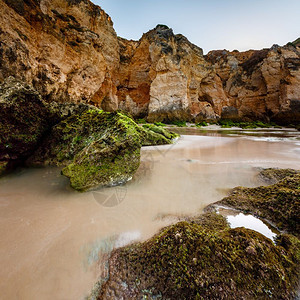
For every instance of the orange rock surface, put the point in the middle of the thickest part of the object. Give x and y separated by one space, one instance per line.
69 51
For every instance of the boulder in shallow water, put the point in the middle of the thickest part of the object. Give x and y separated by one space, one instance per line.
98 148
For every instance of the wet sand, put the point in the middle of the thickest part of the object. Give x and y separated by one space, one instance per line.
51 236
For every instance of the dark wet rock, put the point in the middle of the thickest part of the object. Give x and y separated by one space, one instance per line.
3 167
289 115
278 203
230 113
97 148
60 111
197 260
272 175
23 121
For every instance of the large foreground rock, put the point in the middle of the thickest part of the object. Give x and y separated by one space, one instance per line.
205 259
97 148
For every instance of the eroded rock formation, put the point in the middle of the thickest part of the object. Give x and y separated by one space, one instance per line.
176 81
69 51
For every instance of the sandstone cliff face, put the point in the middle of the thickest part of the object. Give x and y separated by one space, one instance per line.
69 51
261 84
166 77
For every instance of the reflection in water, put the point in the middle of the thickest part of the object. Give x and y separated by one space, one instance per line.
238 219
51 236
251 222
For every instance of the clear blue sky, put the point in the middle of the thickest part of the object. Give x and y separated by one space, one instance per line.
210 24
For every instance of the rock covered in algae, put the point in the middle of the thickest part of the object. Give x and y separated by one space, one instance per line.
97 148
273 175
205 259
23 121
278 203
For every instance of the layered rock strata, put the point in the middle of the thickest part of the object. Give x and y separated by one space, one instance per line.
69 51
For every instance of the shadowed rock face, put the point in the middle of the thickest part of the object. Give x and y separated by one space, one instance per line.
23 122
69 51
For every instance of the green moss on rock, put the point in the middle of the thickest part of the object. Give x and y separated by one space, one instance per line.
272 175
101 165
278 203
195 260
97 148
157 135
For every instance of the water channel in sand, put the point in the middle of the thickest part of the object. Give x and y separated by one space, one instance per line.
52 236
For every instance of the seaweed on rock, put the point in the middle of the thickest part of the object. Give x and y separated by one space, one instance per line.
278 203
97 148
198 260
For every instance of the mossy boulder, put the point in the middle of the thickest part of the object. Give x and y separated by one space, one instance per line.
23 121
278 203
156 135
272 175
97 148
198 260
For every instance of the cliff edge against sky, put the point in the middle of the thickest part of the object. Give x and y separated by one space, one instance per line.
68 51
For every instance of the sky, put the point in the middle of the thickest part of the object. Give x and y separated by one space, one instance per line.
210 24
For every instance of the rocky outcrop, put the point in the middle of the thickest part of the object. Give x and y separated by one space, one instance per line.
69 51
278 203
162 76
23 122
205 259
97 148
165 77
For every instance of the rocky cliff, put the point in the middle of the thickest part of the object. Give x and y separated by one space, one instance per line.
69 51
166 77
66 49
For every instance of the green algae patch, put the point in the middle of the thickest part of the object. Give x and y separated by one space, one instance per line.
197 260
97 148
246 125
99 165
272 175
157 135
278 203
